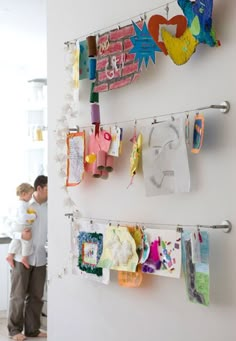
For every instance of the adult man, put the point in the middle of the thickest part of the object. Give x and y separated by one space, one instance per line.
27 285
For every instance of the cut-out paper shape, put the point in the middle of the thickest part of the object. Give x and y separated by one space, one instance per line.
116 67
165 253
135 155
199 16
114 149
130 279
137 234
76 54
83 60
196 275
119 250
146 249
165 158
76 155
176 26
87 246
144 46
180 49
198 133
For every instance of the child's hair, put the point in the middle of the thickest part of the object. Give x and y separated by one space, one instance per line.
23 188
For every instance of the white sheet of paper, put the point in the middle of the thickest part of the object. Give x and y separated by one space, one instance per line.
76 159
165 158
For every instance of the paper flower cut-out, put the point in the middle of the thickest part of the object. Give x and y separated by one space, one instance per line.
144 46
180 49
199 16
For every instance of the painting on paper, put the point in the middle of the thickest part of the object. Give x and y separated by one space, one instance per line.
165 253
196 274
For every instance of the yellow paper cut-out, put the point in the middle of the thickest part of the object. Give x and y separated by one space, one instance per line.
179 49
135 155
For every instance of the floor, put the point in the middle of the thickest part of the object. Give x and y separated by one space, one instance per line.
4 332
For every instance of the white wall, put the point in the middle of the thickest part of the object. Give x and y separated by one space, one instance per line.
160 308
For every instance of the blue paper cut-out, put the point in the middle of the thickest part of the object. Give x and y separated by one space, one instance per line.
199 16
144 46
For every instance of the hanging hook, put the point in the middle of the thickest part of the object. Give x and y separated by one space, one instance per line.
167 11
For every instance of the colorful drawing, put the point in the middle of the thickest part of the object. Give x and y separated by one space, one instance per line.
196 275
75 161
83 60
144 46
116 67
198 133
87 246
165 253
130 279
199 16
179 49
119 251
175 26
90 250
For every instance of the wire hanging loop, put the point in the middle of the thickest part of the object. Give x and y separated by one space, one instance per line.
167 11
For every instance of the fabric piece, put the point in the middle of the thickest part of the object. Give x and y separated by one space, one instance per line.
180 49
196 275
165 159
116 67
165 253
119 251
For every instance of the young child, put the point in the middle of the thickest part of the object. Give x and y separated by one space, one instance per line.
23 218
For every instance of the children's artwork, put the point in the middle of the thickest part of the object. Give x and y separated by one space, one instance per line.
114 149
144 46
75 161
199 16
135 154
87 246
116 67
97 159
196 275
76 67
137 234
119 250
165 253
83 60
130 279
180 49
175 26
165 159
198 133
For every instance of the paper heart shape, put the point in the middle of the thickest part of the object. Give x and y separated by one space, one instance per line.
180 49
154 27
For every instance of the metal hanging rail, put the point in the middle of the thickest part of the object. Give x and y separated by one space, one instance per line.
224 107
226 225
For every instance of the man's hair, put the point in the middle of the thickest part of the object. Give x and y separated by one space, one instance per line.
41 180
